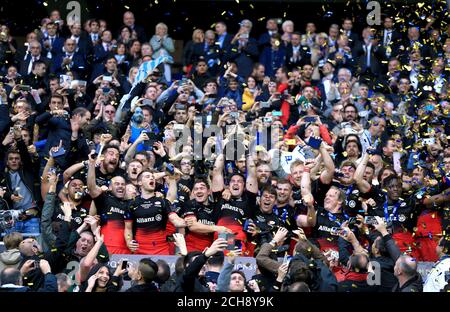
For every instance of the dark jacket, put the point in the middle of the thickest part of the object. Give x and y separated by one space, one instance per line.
100 56
50 285
244 58
24 63
272 60
415 284
59 129
188 282
28 174
77 66
323 280
147 287
387 263
304 57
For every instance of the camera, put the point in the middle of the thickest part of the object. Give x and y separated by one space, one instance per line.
234 115
7 219
370 220
147 102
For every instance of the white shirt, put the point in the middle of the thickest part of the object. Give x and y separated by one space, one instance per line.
75 38
436 278
30 65
295 53
385 37
414 80
438 84
105 46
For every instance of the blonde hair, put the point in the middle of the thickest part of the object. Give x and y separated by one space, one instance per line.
12 240
196 34
286 23
163 26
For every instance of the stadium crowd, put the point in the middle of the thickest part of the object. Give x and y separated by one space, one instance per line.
321 152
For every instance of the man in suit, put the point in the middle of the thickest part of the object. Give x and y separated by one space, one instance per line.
243 50
347 26
414 42
333 34
23 52
327 87
273 57
209 51
35 54
369 53
223 38
37 79
101 52
84 44
94 33
390 38
129 20
264 39
297 55
69 60
52 43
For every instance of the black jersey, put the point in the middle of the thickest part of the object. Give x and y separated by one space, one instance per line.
327 222
150 215
78 214
236 210
205 214
287 216
112 210
104 179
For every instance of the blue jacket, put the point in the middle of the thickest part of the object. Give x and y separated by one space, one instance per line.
244 58
272 60
77 66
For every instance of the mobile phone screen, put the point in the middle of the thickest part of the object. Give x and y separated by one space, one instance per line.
314 143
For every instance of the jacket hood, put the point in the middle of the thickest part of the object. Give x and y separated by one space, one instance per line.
10 257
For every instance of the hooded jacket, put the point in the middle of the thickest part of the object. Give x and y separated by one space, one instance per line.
10 259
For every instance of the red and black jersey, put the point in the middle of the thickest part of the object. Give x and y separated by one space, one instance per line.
236 210
150 215
205 214
114 212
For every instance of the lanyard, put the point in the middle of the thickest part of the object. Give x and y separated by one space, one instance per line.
349 191
333 218
283 216
394 212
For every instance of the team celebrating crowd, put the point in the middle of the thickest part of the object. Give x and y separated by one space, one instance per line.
322 153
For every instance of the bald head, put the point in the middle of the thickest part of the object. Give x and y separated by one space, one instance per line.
406 266
11 276
29 247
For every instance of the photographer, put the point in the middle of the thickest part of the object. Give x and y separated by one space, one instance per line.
57 121
12 279
22 188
